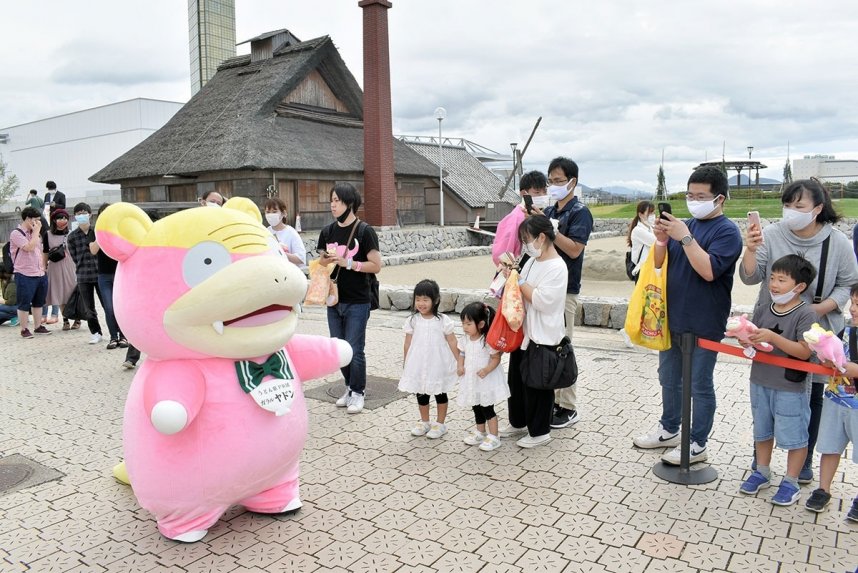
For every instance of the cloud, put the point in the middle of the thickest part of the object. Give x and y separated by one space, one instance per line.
82 62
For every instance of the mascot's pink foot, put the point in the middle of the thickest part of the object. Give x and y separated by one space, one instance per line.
278 499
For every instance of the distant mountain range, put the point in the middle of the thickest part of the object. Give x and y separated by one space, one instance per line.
744 181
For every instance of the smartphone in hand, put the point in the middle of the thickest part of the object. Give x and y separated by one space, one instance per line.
664 208
754 219
528 203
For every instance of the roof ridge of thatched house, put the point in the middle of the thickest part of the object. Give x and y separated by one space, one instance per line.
285 120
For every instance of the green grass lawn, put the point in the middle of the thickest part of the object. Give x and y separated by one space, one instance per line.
734 208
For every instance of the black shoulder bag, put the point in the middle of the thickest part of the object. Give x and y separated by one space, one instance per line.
549 367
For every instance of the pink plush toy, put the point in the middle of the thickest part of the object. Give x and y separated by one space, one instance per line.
740 328
215 416
826 345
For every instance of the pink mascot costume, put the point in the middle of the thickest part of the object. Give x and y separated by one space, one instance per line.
216 415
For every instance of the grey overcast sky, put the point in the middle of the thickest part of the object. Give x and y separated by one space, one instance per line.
615 82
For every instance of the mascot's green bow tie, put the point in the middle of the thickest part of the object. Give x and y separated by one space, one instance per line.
250 374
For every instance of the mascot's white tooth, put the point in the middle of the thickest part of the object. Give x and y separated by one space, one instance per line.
218 326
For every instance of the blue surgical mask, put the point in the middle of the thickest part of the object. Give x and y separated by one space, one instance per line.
82 219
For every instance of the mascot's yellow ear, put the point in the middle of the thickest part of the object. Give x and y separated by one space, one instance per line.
120 229
244 205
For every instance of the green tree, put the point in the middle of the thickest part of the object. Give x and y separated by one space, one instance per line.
8 183
661 190
787 173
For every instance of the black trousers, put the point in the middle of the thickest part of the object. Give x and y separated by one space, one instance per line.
515 402
816 391
538 409
482 414
132 355
89 291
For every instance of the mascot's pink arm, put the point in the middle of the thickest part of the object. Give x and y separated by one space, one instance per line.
177 380
312 358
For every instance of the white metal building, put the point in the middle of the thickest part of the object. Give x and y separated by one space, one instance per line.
826 168
69 148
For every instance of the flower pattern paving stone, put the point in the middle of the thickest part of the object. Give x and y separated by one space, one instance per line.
383 541
395 519
502 528
542 537
705 556
737 540
464 540
623 560
543 561
539 515
459 563
497 551
581 548
375 563
752 563
340 554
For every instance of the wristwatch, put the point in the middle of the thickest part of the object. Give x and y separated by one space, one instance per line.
686 240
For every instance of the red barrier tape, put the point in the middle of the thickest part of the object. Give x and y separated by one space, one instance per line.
766 358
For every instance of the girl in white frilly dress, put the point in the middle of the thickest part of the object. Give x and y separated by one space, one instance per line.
430 358
482 383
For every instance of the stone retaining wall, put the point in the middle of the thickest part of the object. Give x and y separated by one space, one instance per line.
606 312
421 244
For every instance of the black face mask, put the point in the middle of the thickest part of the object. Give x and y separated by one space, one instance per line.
342 218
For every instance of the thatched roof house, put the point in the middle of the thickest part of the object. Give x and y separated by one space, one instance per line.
285 120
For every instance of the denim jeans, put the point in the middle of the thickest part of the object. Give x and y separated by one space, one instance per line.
105 286
348 321
7 312
702 390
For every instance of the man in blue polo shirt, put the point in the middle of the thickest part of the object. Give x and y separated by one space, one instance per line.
701 260
574 224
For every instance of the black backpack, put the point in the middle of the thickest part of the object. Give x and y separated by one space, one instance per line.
372 279
8 261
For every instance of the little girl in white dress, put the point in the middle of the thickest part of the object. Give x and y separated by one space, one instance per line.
430 358
482 383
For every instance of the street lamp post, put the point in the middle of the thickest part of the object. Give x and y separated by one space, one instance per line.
750 151
440 114
512 146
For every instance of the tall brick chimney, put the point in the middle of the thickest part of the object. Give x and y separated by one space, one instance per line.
379 186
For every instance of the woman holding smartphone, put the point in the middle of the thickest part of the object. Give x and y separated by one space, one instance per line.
806 229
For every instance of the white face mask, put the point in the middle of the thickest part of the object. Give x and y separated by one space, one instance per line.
649 220
211 204
701 209
541 202
559 192
273 219
782 298
796 220
531 250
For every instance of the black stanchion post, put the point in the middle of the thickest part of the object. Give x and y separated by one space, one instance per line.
683 474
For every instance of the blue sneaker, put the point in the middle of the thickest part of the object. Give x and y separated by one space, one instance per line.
805 476
787 494
755 482
13 321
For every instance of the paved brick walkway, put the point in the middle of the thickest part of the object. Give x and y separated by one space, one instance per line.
376 499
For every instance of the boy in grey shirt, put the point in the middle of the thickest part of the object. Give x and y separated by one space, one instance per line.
778 395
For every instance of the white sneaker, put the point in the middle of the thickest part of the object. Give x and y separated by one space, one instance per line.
475 438
657 439
343 400
510 431
490 443
696 454
438 429
96 338
355 402
420 428
531 441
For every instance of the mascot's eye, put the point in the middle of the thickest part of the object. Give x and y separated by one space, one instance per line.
204 260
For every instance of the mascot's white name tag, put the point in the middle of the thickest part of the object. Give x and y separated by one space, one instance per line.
274 395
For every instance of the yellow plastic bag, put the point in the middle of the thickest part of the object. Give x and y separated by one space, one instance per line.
320 284
646 318
512 305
